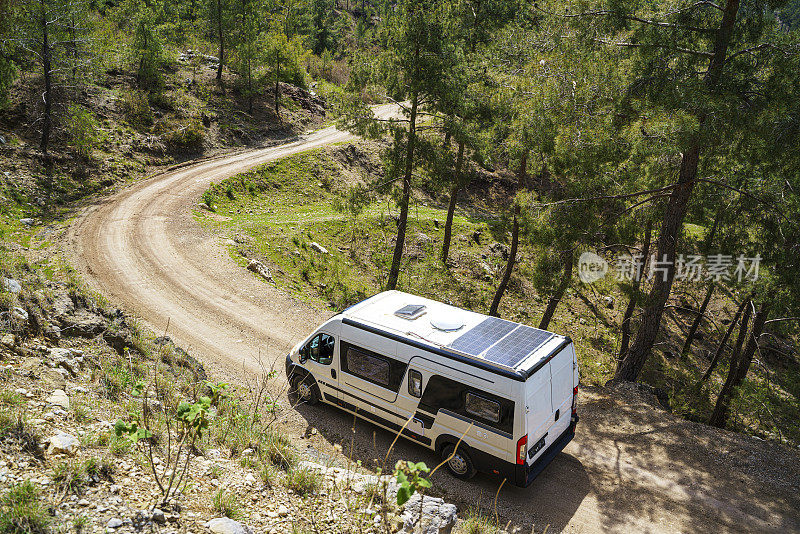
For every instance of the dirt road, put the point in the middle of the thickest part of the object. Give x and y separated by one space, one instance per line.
631 468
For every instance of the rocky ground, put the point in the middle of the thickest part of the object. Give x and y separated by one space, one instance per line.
70 368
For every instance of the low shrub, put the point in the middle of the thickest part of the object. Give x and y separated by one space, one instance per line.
185 139
279 450
136 107
477 523
69 476
268 475
226 504
303 481
84 130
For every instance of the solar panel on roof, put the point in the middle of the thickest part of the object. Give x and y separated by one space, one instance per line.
482 336
516 346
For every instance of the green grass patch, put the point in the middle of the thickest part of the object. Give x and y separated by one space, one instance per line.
22 511
226 504
303 481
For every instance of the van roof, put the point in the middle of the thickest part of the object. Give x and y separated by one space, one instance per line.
489 342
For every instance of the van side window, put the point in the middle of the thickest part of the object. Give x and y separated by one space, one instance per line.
483 408
371 368
319 349
414 383
445 393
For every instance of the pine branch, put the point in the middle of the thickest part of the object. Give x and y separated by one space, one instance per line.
632 18
607 197
750 50
665 47
780 319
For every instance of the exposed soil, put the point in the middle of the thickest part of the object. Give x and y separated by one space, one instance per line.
631 467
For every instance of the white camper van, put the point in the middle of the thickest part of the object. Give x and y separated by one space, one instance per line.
508 390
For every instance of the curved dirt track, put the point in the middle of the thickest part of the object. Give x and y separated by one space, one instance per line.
631 468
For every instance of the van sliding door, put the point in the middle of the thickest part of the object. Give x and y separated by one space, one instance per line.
371 375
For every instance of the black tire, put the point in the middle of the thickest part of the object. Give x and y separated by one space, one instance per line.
305 389
460 465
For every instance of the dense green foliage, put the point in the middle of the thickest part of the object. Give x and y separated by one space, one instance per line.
601 118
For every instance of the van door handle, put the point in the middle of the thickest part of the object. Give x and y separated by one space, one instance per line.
333 373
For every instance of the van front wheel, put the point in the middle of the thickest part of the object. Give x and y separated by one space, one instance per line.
460 464
305 388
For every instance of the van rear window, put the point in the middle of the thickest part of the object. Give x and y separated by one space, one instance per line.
483 408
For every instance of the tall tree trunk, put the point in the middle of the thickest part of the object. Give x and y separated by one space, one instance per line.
523 170
738 370
512 258
724 341
48 83
221 37
637 283
394 272
740 339
552 304
73 47
277 84
451 208
633 362
697 320
249 87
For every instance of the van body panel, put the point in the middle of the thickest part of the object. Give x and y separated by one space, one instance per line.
489 407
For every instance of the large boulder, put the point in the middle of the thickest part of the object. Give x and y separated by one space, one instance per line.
63 443
119 339
316 247
11 285
63 305
82 323
59 398
437 517
260 269
181 357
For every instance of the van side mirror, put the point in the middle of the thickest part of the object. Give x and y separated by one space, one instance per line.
303 353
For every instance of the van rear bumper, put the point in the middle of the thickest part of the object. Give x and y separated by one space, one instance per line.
525 474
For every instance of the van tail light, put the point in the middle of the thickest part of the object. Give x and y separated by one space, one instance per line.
522 450
575 400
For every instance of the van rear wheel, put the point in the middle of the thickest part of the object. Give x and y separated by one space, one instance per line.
460 464
305 388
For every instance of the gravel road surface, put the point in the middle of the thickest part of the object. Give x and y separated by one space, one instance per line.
631 468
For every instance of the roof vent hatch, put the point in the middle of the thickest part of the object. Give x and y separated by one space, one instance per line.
411 311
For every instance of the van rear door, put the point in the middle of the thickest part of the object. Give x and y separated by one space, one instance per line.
548 400
539 408
562 371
